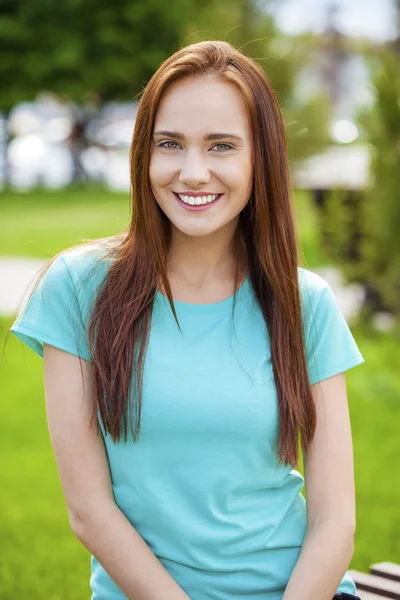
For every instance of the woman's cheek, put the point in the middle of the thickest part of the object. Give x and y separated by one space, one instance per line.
158 170
165 168
235 172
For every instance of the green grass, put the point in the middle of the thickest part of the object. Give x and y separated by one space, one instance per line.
42 223
41 558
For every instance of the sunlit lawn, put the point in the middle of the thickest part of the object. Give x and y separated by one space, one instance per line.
40 557
41 223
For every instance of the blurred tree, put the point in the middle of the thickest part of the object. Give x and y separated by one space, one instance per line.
75 46
364 233
380 245
250 26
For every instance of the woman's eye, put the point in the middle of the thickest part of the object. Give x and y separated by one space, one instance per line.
225 146
220 147
163 145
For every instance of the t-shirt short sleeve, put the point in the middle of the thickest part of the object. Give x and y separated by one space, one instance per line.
53 314
330 345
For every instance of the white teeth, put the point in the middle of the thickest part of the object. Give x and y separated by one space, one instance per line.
199 200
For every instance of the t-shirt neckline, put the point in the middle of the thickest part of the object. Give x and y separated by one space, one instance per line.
209 308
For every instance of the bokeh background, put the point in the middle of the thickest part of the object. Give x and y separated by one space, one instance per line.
71 75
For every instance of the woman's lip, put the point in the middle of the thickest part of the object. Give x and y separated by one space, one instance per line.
196 207
197 194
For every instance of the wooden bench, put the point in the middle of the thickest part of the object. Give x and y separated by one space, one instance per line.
382 581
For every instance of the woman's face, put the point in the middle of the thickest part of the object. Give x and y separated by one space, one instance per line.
202 148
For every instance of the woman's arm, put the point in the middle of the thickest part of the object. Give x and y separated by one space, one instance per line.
85 478
331 513
126 557
324 557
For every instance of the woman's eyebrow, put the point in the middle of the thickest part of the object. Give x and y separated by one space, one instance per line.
210 136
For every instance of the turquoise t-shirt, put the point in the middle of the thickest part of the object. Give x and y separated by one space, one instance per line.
201 483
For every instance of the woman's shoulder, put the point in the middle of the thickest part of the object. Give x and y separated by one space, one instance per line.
76 274
85 265
310 282
330 345
82 257
312 288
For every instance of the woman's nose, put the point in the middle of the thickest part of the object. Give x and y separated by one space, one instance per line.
194 170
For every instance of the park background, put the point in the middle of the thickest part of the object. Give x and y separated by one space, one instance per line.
71 74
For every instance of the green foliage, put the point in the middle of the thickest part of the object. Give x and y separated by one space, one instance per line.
363 229
307 127
77 48
341 231
380 247
246 25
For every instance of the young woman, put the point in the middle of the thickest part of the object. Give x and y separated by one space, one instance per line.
184 356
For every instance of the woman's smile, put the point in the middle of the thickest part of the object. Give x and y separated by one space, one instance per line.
196 203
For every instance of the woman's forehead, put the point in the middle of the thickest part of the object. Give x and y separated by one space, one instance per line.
199 107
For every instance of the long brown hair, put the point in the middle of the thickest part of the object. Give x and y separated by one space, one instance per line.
119 326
